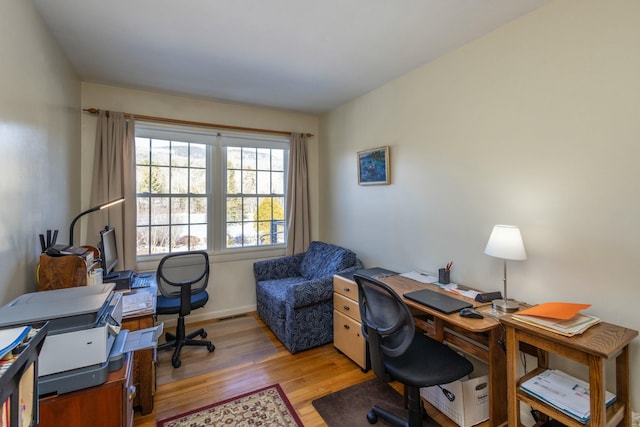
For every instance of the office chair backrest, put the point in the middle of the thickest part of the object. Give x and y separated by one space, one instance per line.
387 323
183 274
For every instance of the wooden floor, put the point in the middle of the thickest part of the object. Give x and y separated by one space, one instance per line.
303 376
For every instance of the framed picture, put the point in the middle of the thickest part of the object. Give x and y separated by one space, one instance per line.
373 166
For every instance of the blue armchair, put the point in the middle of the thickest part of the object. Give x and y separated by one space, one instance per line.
295 293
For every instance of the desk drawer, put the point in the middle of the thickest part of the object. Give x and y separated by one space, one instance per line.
346 306
347 337
345 287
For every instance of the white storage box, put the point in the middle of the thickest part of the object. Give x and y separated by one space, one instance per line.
471 403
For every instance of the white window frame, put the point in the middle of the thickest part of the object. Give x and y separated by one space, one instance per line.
217 183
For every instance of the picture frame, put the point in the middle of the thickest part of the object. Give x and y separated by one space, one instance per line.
373 166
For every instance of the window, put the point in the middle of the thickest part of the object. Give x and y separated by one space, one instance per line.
208 191
254 191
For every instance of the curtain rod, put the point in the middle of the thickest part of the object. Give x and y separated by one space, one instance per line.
192 123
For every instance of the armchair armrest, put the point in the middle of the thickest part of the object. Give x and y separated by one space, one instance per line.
315 290
278 268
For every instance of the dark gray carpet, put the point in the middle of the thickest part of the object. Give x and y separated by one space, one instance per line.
349 407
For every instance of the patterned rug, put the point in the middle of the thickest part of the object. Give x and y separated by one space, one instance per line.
265 407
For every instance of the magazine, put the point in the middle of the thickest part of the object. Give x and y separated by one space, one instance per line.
566 393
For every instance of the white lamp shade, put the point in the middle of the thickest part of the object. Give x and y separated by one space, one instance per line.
505 242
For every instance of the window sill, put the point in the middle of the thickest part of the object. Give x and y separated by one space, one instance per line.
150 263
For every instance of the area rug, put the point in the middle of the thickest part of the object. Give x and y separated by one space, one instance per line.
266 407
349 407
238 340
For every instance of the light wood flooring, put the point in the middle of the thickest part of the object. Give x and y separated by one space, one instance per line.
304 376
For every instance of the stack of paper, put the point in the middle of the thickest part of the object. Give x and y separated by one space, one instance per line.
566 393
137 303
559 317
10 338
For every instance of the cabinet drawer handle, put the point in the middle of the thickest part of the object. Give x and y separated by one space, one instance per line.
132 392
347 289
346 307
346 326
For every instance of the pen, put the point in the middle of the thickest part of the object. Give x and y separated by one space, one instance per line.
448 267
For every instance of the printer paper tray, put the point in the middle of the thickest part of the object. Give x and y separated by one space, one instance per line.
89 376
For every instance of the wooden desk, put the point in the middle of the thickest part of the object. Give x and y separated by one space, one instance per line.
591 348
144 366
478 337
105 405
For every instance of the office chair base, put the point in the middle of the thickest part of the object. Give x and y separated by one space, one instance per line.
173 341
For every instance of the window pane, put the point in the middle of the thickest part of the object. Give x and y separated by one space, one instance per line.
249 158
160 152
264 182
278 208
250 233
234 234
143 181
179 210
234 209
234 158
264 159
179 153
160 210
159 240
160 180
179 180
277 160
198 181
249 208
143 153
142 241
198 210
198 237
198 156
277 183
142 213
233 182
248 182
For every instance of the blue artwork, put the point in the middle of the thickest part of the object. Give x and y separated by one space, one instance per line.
373 166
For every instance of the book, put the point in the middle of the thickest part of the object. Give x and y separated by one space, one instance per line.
574 326
564 392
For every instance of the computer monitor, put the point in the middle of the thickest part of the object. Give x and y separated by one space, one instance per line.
109 250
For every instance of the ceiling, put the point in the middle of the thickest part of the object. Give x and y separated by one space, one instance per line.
301 55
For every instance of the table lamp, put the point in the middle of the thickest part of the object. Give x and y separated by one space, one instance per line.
93 209
505 242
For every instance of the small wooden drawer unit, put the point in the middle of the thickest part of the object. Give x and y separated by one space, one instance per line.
347 332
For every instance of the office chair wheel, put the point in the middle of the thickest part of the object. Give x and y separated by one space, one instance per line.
372 417
203 334
211 347
176 362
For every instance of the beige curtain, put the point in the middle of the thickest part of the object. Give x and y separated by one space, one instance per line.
299 230
114 177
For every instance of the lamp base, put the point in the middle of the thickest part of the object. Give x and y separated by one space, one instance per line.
507 306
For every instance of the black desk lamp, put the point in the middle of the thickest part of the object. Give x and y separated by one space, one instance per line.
96 208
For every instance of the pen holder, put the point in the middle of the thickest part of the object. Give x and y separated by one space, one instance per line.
443 276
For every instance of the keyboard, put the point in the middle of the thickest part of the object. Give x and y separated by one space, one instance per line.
143 280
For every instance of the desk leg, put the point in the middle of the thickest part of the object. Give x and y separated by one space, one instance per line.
497 374
513 405
596 390
146 380
622 384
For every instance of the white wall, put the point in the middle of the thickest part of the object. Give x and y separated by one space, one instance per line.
537 125
39 144
232 286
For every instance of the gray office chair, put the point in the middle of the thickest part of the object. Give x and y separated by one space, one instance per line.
182 280
400 353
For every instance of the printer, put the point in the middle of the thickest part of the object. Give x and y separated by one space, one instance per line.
84 340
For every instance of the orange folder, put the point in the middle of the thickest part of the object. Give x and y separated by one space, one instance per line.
555 310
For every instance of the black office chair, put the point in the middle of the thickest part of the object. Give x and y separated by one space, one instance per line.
400 353
182 280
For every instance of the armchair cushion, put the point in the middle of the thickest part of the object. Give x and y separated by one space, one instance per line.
294 294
